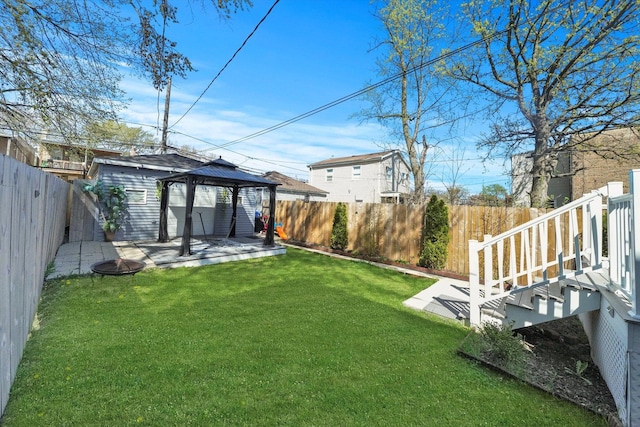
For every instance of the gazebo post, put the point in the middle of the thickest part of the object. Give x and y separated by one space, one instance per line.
234 213
185 248
163 234
269 239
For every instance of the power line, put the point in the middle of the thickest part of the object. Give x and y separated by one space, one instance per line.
268 161
225 65
362 91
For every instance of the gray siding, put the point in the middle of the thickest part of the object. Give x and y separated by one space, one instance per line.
143 219
204 206
245 215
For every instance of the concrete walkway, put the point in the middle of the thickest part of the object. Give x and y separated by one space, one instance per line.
447 298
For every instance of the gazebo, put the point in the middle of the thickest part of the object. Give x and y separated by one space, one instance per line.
217 173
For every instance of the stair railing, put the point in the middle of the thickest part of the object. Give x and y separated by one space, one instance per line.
557 245
623 233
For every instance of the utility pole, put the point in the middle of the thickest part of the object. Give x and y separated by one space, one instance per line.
165 122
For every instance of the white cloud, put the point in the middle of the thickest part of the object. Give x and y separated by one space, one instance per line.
212 124
288 149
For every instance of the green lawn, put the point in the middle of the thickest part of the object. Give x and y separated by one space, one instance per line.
298 340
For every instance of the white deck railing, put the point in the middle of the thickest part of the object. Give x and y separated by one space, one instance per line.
623 233
620 236
558 245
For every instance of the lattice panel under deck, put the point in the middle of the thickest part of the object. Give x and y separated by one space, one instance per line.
610 353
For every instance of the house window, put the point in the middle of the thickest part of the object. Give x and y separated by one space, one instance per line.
389 173
355 174
329 176
136 197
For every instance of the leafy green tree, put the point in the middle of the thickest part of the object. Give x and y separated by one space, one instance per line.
494 195
557 72
339 231
118 136
411 106
435 234
61 59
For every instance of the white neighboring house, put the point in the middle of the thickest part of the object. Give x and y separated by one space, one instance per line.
369 178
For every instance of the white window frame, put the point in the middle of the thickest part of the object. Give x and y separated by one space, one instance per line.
329 175
356 172
132 200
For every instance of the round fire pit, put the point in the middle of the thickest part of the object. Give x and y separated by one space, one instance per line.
117 267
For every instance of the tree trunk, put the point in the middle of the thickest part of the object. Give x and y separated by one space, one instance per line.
540 188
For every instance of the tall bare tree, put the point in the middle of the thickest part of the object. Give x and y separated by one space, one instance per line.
558 72
412 106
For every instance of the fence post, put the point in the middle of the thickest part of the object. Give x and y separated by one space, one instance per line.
474 284
634 179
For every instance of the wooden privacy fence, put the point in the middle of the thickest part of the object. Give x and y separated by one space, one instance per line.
393 231
33 207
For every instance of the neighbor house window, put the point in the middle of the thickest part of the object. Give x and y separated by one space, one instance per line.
355 173
329 176
136 197
389 173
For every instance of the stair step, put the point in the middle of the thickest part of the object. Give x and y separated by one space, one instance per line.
522 299
577 284
495 308
551 291
546 301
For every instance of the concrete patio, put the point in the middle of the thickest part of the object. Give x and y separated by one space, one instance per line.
78 257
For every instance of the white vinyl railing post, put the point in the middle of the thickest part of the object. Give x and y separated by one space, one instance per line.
614 232
595 208
474 284
634 180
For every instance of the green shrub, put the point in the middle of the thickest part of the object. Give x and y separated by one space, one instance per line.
339 233
501 346
435 234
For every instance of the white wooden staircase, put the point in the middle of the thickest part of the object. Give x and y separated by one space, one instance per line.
549 268
561 265
558 265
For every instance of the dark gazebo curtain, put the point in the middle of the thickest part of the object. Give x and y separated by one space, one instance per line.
191 183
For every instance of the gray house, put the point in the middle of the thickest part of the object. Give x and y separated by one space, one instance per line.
212 206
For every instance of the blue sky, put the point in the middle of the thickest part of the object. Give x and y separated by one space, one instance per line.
306 54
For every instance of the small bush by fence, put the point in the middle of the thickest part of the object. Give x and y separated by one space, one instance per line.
33 207
393 231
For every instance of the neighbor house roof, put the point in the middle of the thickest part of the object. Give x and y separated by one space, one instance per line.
356 159
221 173
292 185
164 162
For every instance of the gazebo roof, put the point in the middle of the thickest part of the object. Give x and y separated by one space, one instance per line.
221 173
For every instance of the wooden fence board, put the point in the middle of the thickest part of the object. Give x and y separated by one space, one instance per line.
33 208
16 281
84 214
6 197
394 231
